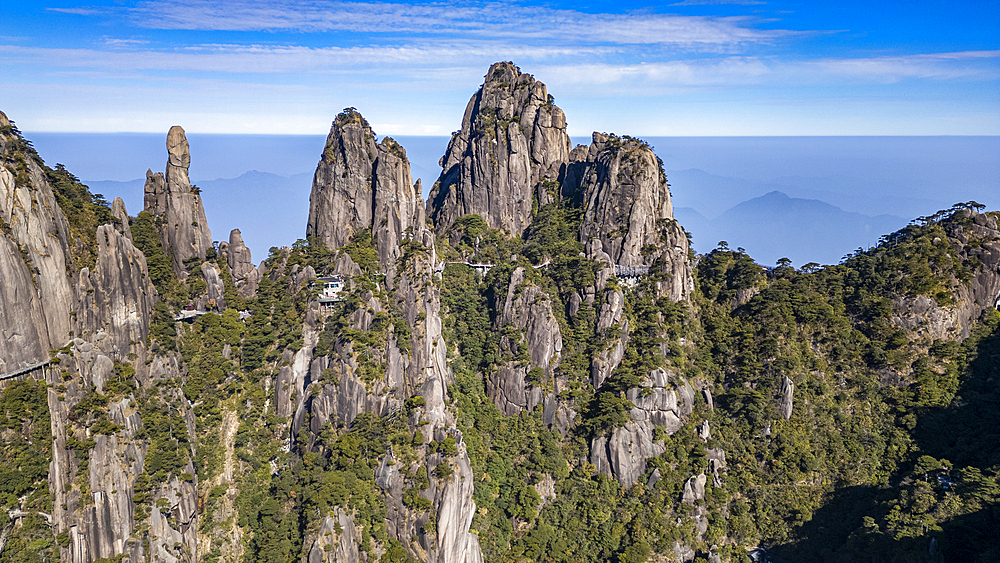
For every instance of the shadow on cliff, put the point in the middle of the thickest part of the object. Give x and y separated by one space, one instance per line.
966 433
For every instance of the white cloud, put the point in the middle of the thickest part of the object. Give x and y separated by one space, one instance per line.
938 66
118 43
287 59
659 78
492 19
82 11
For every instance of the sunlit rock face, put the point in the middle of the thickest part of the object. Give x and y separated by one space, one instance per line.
512 146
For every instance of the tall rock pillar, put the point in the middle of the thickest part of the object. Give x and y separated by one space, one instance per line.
184 230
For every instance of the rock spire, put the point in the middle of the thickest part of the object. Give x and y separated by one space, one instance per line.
360 184
171 197
512 145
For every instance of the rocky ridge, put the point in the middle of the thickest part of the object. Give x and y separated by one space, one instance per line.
98 320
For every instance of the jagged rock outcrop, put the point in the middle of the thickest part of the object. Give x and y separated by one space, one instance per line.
512 144
417 368
116 299
624 452
975 239
704 431
656 402
716 464
337 540
170 196
613 325
215 289
100 522
245 275
363 185
528 310
627 206
694 489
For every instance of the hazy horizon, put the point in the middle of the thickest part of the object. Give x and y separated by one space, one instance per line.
722 187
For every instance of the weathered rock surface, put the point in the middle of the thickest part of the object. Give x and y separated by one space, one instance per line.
35 226
116 298
332 546
24 339
363 185
716 464
245 275
785 397
121 217
627 206
418 368
528 310
623 455
184 232
215 289
694 489
624 452
656 402
613 325
513 140
978 242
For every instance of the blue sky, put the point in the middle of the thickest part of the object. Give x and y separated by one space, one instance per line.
691 67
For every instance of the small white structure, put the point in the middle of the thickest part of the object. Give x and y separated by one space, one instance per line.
630 275
331 288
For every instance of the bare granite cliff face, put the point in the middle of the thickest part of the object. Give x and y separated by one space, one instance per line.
36 234
116 298
24 339
512 144
627 206
362 185
170 196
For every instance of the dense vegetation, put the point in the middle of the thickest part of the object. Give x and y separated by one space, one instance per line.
24 472
866 467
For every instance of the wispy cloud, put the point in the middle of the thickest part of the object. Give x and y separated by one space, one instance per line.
118 43
733 71
718 2
493 19
938 66
82 11
288 59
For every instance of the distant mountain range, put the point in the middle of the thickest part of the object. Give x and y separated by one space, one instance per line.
775 226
